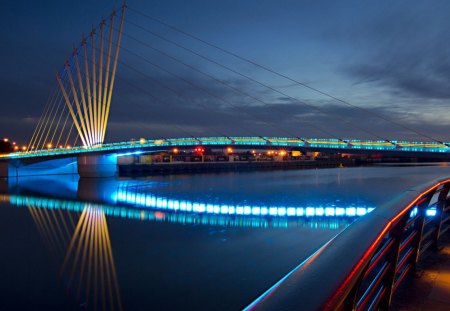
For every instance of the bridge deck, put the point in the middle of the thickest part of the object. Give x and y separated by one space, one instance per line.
344 145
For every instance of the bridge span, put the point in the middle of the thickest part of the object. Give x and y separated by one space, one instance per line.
101 160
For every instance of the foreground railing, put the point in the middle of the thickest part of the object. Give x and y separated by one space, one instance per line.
362 267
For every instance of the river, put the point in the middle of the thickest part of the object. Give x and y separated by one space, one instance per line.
178 242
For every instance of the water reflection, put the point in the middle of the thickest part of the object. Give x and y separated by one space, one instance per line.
87 270
89 262
139 199
73 224
204 233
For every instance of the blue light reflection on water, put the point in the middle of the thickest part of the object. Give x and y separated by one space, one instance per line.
183 217
150 200
211 250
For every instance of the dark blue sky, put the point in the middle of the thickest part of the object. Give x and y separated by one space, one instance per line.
390 57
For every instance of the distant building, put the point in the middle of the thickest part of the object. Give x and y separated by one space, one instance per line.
5 146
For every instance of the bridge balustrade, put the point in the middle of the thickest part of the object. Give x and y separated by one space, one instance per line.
363 266
349 145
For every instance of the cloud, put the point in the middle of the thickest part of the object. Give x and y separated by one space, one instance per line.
407 51
155 112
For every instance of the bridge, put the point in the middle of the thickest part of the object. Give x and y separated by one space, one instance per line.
362 276
80 106
101 160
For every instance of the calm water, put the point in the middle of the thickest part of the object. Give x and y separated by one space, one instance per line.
199 242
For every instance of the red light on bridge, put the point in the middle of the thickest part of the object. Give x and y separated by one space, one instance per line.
199 150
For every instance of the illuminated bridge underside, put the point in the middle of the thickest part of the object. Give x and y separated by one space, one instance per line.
344 146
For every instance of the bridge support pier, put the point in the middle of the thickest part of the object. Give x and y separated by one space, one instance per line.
35 167
95 165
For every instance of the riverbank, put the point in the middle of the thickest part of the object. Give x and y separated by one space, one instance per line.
138 169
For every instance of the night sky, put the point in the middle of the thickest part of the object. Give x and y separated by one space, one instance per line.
391 58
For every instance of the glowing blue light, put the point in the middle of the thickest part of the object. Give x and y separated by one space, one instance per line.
310 211
340 211
152 201
413 212
329 211
319 211
350 211
239 210
189 206
128 153
361 211
256 210
170 204
247 210
183 205
431 212
195 207
224 209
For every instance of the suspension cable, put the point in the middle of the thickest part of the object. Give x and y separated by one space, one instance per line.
283 75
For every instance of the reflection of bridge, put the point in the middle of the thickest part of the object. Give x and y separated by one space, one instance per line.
392 239
137 200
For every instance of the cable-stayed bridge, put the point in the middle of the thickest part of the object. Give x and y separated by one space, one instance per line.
74 121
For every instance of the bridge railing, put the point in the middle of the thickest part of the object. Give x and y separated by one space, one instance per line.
362 267
259 141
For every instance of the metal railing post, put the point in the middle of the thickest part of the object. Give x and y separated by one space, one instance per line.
440 208
418 227
392 258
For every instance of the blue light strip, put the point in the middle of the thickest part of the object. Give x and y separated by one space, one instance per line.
148 200
181 217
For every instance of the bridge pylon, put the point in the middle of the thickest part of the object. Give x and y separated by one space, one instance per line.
87 89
